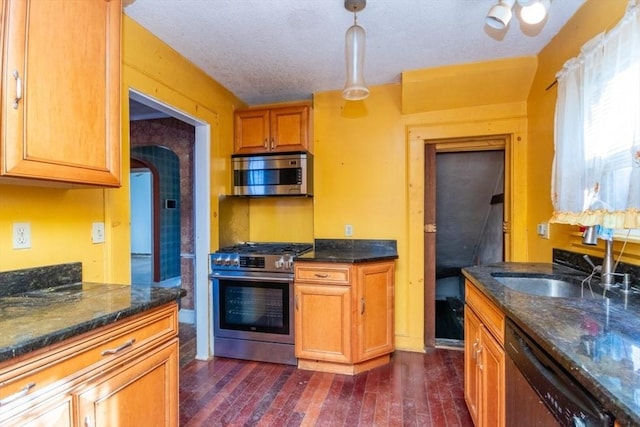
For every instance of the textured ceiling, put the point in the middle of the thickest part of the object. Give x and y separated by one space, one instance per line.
268 51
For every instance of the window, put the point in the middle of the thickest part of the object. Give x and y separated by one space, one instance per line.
596 175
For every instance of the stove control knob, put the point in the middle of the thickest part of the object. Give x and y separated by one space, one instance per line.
288 263
235 261
279 263
217 261
227 261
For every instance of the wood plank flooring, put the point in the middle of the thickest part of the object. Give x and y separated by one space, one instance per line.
413 390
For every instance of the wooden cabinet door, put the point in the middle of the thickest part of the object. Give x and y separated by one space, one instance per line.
252 133
142 392
492 365
323 322
61 91
375 300
472 381
290 128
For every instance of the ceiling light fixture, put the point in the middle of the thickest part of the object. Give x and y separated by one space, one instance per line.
531 12
355 87
535 12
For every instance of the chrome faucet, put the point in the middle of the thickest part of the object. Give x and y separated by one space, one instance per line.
607 273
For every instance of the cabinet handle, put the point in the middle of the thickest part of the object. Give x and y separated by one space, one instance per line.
322 275
88 422
119 348
273 143
266 143
297 306
361 305
18 97
478 357
474 354
17 395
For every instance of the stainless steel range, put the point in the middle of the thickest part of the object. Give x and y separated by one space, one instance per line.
253 301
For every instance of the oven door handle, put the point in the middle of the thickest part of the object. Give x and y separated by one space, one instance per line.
260 277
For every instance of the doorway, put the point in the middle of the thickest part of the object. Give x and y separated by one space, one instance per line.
142 223
199 311
465 221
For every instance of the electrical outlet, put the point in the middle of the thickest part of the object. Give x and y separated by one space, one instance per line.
97 232
21 235
348 230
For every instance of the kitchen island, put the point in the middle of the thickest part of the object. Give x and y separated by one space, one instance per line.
73 352
560 325
344 305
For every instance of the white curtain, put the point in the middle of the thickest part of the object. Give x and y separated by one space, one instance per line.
596 171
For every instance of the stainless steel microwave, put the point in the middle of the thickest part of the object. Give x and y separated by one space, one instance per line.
273 174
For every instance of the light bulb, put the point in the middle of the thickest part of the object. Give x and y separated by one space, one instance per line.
535 12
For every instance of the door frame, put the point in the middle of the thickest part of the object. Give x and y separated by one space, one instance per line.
431 150
451 135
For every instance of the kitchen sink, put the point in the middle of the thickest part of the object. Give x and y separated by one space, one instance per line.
545 286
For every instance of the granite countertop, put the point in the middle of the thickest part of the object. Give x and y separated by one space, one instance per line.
561 325
37 313
351 251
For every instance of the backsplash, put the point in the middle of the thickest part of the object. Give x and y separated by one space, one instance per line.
37 278
576 260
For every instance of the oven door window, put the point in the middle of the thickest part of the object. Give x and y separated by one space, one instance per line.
255 307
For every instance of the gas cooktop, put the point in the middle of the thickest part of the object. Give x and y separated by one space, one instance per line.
258 257
267 248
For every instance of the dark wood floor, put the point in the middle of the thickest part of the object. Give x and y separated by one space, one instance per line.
413 390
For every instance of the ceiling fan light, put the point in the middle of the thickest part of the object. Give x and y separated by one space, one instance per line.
525 3
500 14
355 87
535 12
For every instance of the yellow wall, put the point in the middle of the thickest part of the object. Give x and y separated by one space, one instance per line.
61 219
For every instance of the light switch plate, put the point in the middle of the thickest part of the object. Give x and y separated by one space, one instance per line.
97 232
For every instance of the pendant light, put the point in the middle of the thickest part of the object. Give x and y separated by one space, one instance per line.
355 87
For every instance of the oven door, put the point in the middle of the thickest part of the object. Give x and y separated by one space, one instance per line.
253 306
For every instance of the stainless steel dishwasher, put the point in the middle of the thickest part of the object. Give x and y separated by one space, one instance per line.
539 391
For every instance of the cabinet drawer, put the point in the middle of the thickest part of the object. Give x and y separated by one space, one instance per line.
489 314
71 358
336 274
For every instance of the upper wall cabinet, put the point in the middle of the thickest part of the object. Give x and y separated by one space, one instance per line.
61 91
260 130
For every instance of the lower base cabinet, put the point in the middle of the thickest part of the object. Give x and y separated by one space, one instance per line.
484 359
125 374
344 315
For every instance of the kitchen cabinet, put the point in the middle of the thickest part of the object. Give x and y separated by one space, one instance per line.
61 91
484 359
344 315
125 373
278 129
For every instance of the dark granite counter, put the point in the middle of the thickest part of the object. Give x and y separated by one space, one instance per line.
351 251
561 326
42 309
